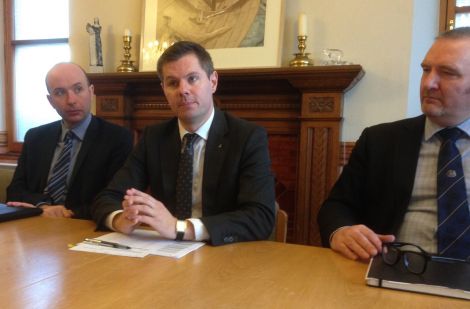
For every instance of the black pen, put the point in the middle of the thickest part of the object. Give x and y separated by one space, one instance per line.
106 243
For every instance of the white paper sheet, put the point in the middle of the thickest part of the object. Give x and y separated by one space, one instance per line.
142 243
107 250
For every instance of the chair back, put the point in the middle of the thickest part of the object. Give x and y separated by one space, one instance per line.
6 174
280 231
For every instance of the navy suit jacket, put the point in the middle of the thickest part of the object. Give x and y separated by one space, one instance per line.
238 187
104 149
375 186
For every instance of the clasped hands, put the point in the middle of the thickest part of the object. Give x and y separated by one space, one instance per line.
358 242
141 208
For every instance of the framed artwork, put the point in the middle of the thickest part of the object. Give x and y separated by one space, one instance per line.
237 33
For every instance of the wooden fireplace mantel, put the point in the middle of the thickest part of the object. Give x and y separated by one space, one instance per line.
301 109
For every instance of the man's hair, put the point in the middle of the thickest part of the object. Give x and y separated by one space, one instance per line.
61 63
456 33
181 49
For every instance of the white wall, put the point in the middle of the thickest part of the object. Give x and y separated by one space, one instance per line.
425 29
388 38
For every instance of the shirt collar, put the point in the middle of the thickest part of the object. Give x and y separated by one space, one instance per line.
203 130
430 128
79 130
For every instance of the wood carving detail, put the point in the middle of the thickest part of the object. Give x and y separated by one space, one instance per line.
109 104
151 106
321 104
318 184
320 166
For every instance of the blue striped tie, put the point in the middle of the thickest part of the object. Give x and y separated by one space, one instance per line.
453 231
56 187
184 179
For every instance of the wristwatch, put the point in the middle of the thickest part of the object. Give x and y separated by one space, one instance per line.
181 226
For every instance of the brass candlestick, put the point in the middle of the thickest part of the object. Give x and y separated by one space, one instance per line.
127 65
301 59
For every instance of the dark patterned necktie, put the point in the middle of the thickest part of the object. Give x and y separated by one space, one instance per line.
453 231
184 179
56 187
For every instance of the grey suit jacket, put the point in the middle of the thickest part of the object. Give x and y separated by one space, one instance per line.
375 186
238 186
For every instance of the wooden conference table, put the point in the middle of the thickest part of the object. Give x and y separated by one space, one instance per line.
38 271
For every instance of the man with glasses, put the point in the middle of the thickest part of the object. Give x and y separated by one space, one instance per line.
64 164
408 180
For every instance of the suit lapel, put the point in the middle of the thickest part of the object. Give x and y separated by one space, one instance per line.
49 145
216 149
170 144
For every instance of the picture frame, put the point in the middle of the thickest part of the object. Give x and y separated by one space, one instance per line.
269 55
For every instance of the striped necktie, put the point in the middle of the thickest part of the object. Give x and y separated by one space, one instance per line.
184 178
57 185
453 231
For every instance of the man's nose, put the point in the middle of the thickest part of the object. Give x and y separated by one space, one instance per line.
71 96
184 87
430 80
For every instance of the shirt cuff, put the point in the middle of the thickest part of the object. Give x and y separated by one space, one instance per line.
200 231
109 219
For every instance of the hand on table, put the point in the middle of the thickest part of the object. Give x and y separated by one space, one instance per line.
358 242
51 211
20 204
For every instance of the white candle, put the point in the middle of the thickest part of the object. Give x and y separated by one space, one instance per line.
127 32
302 24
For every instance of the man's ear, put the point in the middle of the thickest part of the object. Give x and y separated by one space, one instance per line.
51 101
92 89
214 81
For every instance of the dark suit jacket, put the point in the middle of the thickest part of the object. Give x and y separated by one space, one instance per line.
375 186
238 187
104 149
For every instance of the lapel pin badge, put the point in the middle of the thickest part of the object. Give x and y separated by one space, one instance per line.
451 173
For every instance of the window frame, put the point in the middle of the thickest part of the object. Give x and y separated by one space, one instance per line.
447 12
15 146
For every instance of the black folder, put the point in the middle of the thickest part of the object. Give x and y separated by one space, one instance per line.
8 213
440 278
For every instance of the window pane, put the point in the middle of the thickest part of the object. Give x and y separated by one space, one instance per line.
461 3
31 65
41 19
462 20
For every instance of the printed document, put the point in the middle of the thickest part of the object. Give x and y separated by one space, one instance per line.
141 243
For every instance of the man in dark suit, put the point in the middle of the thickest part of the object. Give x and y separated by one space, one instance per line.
388 189
231 186
98 150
